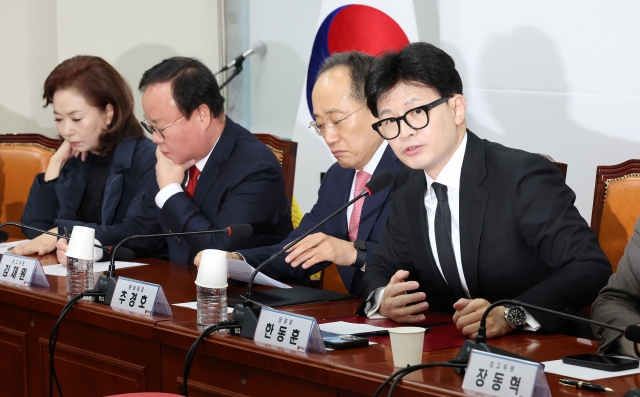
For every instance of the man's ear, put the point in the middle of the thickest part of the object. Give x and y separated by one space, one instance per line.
459 108
204 115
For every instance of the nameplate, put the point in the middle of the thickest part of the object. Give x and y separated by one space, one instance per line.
140 297
288 331
491 374
22 270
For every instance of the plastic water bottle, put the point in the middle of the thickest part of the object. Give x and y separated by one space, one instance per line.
212 305
211 284
80 261
79 276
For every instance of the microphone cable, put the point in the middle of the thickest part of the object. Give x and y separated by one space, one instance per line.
397 376
53 339
227 324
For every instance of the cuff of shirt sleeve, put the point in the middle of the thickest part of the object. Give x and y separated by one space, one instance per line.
532 324
373 303
166 193
98 253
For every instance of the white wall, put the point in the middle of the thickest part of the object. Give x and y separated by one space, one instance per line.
288 28
131 35
29 52
551 77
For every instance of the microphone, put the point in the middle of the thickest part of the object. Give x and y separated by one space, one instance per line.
631 332
125 255
107 284
258 48
245 313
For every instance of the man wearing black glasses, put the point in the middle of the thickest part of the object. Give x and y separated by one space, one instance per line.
348 240
473 221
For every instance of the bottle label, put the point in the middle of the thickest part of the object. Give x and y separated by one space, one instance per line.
22 270
140 297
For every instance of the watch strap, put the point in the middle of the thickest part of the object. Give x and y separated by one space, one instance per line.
361 257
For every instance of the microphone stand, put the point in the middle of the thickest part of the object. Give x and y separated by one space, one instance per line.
107 249
245 313
107 284
236 71
631 332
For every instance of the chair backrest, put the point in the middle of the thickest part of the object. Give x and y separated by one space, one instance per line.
616 207
22 157
286 152
561 166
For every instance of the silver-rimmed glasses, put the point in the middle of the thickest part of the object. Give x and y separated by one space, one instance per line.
151 129
320 128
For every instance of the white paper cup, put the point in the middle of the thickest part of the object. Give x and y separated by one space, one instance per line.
406 345
212 272
81 243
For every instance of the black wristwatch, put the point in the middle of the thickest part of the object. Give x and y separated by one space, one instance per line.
516 316
361 258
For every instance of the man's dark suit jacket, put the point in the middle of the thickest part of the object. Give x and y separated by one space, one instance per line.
56 203
334 192
619 302
242 182
520 237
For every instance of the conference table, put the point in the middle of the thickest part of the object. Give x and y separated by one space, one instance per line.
103 351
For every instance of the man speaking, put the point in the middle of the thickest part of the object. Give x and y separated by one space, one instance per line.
473 221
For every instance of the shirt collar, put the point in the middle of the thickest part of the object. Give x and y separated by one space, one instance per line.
450 174
373 163
200 164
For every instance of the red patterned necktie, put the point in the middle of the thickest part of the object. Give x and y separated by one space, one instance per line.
362 178
194 173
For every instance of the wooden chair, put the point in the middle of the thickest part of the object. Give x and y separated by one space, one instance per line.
616 207
561 166
22 156
286 152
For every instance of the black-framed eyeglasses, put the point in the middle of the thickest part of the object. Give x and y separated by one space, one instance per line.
320 128
151 129
416 118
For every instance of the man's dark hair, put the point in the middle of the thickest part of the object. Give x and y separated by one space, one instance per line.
358 65
420 64
192 84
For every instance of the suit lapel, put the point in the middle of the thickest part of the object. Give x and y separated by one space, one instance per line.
77 183
473 201
342 187
220 153
122 160
373 204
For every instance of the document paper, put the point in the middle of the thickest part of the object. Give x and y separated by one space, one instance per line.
59 270
241 271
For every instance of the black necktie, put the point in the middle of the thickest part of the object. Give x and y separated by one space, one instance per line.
444 244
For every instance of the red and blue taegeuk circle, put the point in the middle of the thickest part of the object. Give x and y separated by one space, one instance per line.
353 27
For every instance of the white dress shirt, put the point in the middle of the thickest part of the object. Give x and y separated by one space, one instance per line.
450 177
173 188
